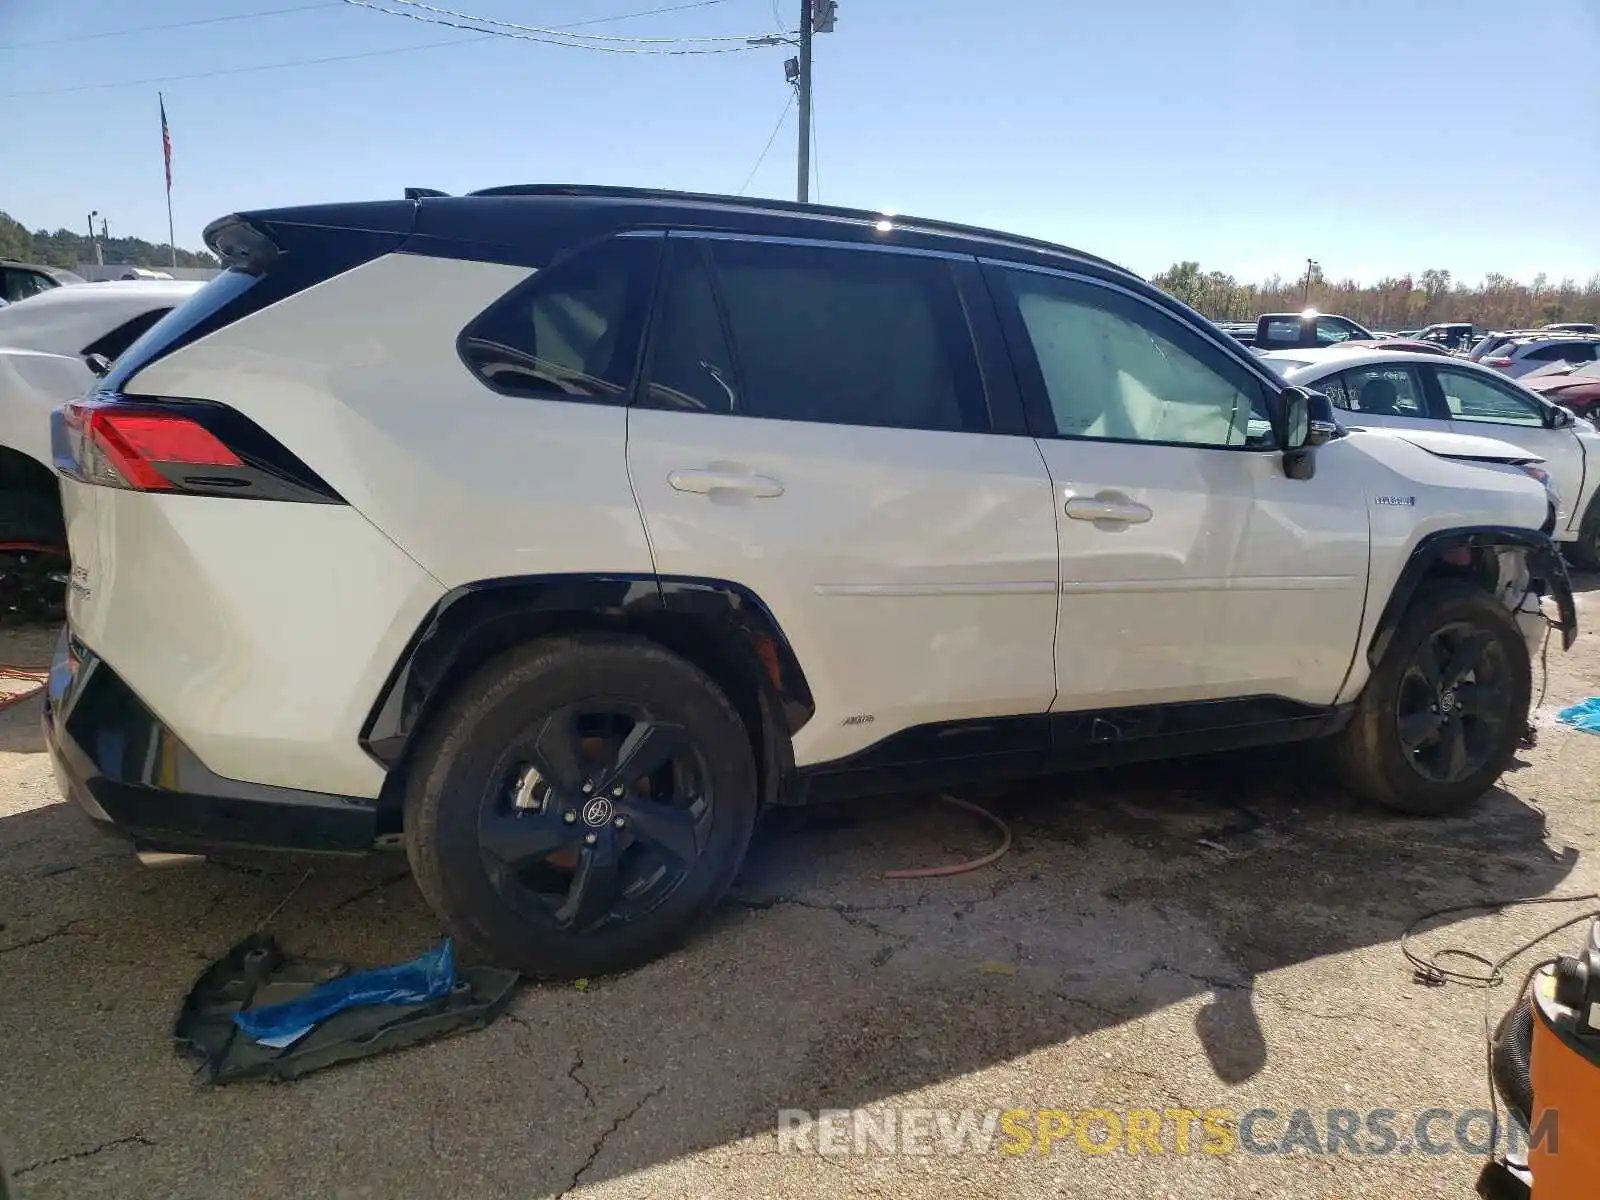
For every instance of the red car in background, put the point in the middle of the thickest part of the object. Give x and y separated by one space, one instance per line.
1571 385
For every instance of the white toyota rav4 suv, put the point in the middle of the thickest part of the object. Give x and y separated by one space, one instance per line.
555 531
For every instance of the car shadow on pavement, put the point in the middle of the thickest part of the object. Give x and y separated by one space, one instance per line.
816 983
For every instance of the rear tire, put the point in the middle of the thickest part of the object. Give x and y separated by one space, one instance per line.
1442 715
580 804
33 555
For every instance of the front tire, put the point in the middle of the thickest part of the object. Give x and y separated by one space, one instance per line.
580 804
1441 717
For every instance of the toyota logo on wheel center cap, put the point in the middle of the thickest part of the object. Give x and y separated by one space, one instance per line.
597 812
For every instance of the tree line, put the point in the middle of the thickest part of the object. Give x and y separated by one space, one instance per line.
67 249
1403 302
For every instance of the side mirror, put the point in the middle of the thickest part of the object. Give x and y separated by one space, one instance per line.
1294 421
1562 418
1305 422
98 363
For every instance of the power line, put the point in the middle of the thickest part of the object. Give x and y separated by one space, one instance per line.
294 62
275 12
649 12
484 36
112 33
768 146
540 32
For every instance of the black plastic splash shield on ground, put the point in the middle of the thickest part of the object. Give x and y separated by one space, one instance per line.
256 972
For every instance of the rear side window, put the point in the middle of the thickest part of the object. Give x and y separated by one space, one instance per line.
572 331
813 333
1333 388
1384 392
112 344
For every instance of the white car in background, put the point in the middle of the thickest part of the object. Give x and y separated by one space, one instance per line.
48 349
1404 391
53 348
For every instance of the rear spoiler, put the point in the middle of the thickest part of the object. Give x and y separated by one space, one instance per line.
423 193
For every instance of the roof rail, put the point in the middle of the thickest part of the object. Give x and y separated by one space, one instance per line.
607 191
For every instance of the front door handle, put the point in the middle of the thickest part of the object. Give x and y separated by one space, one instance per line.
723 478
1102 508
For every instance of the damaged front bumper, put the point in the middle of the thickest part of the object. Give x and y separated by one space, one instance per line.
1548 579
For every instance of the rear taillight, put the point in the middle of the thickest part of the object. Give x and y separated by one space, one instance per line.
1499 362
177 446
119 446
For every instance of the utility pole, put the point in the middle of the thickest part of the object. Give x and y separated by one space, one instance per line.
99 257
803 84
1305 296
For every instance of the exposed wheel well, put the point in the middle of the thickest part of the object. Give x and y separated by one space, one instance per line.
721 649
19 472
1499 560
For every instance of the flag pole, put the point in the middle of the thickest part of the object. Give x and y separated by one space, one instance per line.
166 151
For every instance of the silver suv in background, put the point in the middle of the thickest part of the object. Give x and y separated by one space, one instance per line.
1517 352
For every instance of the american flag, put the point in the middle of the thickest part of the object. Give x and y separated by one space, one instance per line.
166 142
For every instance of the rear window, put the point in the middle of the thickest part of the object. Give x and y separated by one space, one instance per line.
1487 346
304 255
176 325
1284 329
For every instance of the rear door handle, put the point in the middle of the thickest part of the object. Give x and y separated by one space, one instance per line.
1096 508
726 479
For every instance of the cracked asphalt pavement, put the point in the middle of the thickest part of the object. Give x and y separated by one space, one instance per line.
1217 933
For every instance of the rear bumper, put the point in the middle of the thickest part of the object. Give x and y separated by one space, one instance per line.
131 774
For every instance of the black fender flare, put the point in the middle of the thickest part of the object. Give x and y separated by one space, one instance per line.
1545 567
476 618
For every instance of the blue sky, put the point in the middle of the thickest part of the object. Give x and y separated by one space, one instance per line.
1378 136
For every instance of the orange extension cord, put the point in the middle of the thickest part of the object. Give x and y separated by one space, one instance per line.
10 674
960 868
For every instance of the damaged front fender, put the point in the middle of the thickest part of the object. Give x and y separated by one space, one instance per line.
1516 564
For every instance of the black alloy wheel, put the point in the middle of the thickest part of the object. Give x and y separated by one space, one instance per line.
1441 715
580 802
1454 703
597 817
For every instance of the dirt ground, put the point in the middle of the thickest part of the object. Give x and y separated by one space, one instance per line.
1216 934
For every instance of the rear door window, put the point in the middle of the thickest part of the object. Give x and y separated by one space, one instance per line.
800 332
1334 389
1385 391
572 331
